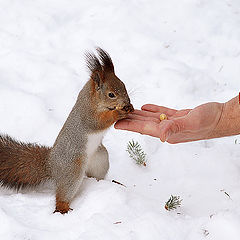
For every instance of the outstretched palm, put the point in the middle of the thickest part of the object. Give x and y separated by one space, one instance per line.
181 126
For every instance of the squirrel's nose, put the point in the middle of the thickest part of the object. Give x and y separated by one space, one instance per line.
128 108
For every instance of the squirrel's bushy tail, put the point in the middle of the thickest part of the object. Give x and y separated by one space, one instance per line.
22 165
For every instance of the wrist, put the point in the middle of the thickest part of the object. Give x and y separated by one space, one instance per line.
229 120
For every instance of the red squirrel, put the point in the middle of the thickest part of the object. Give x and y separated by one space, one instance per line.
78 149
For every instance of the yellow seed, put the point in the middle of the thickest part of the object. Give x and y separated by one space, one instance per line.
163 116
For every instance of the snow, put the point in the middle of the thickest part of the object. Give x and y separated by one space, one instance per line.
166 52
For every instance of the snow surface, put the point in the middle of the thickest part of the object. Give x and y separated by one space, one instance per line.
173 53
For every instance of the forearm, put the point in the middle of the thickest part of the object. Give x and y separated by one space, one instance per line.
229 122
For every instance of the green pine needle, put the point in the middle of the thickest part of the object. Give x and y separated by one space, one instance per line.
136 153
173 203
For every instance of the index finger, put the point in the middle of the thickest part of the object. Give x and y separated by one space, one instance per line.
160 109
145 113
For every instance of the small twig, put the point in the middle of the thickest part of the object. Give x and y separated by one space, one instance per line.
117 222
222 190
114 181
136 153
227 194
173 203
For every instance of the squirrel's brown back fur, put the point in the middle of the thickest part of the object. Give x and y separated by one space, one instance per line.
22 165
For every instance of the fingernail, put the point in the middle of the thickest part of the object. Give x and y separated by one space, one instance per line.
162 140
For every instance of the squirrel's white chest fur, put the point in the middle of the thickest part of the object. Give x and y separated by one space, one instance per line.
93 141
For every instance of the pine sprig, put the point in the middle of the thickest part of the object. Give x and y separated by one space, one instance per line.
136 153
173 203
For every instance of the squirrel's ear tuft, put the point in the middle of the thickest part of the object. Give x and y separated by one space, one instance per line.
95 69
98 66
106 60
93 64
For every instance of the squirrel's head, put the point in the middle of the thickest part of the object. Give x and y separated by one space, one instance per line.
110 94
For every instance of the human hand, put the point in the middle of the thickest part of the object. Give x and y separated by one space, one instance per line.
181 125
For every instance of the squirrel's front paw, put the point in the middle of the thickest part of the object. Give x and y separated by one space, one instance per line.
62 207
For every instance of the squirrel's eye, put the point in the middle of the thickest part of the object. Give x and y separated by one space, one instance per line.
111 95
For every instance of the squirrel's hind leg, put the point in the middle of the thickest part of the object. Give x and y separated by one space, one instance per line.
98 164
68 185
